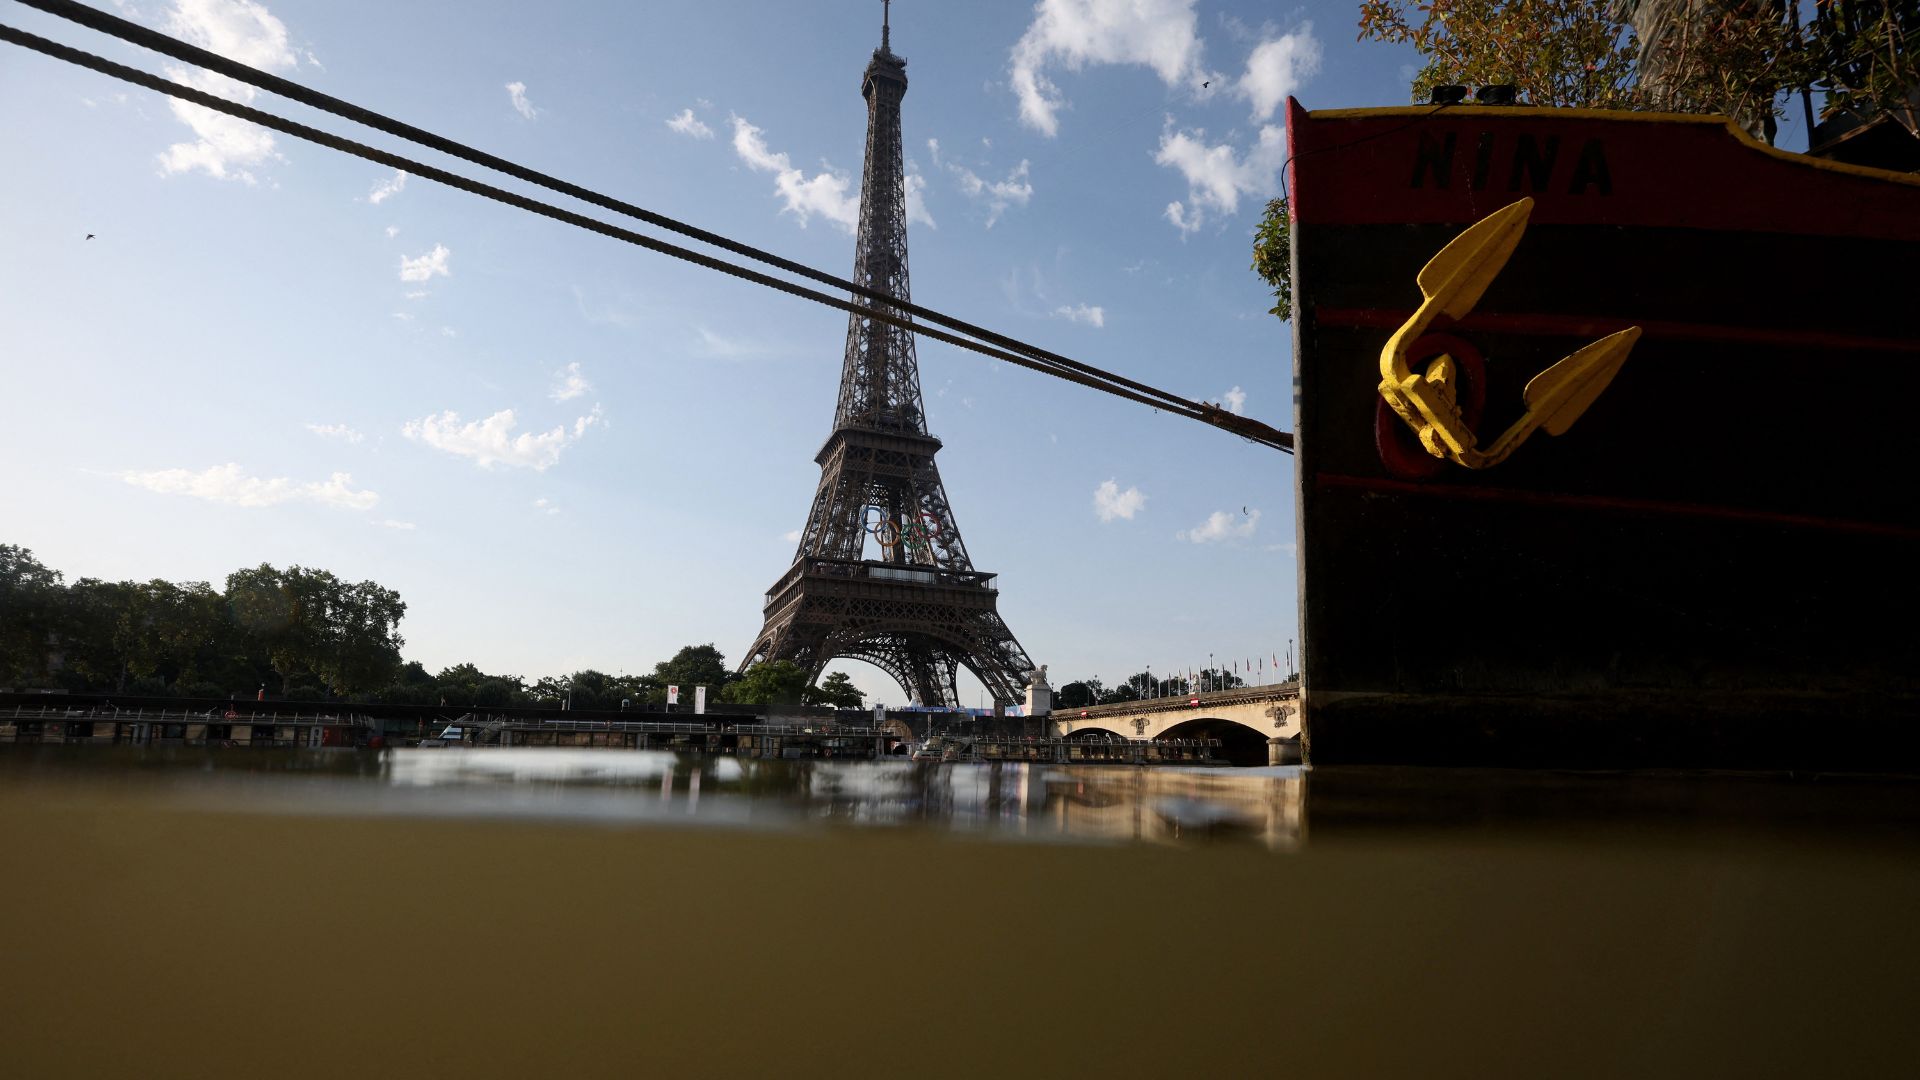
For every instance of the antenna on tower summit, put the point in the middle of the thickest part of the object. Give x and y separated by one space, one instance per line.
886 30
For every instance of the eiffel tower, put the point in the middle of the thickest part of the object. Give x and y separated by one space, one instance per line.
919 611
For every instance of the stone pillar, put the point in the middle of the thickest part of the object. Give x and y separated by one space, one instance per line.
1039 695
1283 751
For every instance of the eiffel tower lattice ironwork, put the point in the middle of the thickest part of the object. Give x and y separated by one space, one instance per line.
920 611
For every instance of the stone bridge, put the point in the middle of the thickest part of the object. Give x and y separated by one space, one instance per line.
1255 724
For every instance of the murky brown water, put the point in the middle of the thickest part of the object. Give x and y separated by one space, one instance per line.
515 913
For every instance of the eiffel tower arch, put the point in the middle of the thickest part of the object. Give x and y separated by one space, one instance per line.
881 573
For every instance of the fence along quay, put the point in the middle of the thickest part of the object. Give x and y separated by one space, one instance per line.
287 724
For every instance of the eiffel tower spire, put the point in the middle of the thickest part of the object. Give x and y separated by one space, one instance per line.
881 573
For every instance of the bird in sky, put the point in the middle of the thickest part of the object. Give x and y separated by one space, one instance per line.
89 236
1206 84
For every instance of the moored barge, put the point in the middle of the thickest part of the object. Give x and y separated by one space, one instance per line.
1622 479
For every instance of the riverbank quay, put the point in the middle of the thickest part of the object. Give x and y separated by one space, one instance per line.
44 724
108 725
1584 946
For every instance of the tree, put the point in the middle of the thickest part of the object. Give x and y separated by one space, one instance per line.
1553 52
31 599
1732 57
550 690
838 691
1272 250
268 611
694 665
1079 694
466 685
772 682
306 626
360 642
188 632
412 685
1867 59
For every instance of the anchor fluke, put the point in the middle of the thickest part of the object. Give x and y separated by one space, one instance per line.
1455 278
1562 393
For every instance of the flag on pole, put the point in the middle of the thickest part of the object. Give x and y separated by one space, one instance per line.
673 695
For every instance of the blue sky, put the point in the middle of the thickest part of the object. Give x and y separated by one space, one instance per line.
566 452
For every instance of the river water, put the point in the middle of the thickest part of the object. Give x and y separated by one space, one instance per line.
498 912
1087 804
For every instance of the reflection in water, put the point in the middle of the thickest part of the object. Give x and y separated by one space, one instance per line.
490 913
1002 799
1271 807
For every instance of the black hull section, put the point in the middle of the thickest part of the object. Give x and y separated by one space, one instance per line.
1715 567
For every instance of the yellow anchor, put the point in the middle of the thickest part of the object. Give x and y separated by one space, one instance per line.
1451 284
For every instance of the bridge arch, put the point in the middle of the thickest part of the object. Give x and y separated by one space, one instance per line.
1240 743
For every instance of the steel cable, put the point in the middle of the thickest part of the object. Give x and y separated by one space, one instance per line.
997 346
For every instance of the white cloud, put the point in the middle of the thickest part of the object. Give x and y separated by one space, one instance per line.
1159 34
1092 315
405 526
1110 502
338 492
720 347
236 29
933 147
1221 525
998 195
231 484
1177 215
1218 175
387 189
1235 401
432 264
569 383
545 506
917 198
688 124
791 536
447 331
393 231
828 194
416 294
491 441
518 92
336 431
224 147
1277 67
